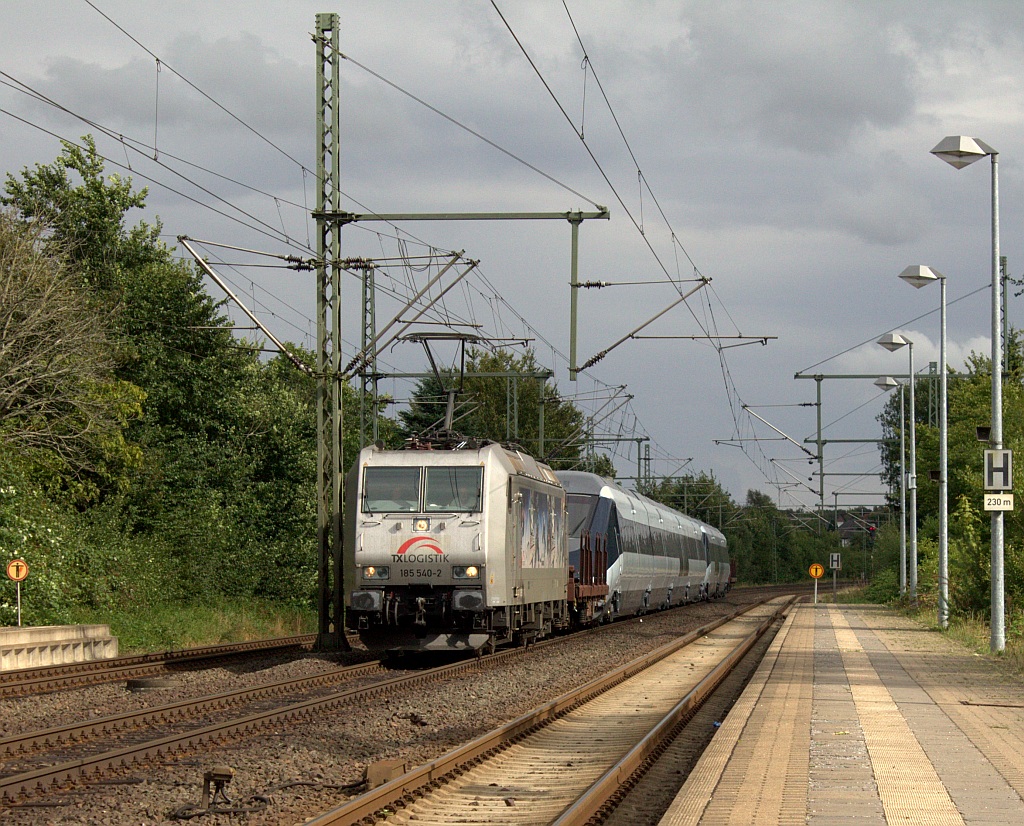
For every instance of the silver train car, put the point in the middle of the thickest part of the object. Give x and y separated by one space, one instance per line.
450 549
656 556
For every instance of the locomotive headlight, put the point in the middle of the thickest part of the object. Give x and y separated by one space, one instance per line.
465 572
421 525
376 572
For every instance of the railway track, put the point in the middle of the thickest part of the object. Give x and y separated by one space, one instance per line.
27 681
108 750
66 754
571 759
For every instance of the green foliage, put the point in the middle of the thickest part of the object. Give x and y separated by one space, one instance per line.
504 410
77 559
597 463
969 398
61 402
204 487
85 215
171 625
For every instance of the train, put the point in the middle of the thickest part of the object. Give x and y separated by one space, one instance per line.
479 545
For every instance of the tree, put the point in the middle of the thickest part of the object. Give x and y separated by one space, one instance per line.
59 398
969 399
699 495
504 410
85 219
225 498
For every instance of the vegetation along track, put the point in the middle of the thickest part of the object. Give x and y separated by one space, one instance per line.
572 758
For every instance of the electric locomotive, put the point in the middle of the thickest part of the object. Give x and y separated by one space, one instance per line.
655 556
455 548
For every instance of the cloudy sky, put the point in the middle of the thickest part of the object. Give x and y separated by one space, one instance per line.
780 150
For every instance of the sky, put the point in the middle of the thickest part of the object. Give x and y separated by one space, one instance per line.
780 151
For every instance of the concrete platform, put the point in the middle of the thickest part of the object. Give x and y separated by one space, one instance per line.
31 647
858 715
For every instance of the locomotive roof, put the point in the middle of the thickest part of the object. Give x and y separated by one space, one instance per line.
515 461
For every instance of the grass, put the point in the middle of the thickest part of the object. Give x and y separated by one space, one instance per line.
972 632
175 626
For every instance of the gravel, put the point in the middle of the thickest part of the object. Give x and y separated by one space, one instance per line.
294 772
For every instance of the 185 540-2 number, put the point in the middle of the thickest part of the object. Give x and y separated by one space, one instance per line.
420 573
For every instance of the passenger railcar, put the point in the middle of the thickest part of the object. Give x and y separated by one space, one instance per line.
656 556
456 548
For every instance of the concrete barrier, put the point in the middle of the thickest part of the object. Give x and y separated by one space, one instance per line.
31 647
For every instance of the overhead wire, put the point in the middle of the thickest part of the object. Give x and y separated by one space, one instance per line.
279 235
709 327
214 101
286 238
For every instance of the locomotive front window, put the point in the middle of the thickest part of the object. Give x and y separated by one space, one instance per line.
581 508
454 489
391 490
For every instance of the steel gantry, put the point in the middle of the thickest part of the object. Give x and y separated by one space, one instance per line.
329 220
331 631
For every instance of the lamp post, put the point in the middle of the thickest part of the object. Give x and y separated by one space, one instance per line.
960 151
920 276
893 342
888 383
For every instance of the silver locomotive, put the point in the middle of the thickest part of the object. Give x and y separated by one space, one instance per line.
456 548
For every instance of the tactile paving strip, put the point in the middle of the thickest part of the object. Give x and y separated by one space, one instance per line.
908 785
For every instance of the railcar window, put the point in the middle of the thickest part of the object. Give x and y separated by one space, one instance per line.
391 489
455 489
581 507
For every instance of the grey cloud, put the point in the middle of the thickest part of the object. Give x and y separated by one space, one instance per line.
798 75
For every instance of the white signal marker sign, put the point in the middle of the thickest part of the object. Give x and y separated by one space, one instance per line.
998 470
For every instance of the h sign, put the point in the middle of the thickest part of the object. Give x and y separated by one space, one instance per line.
998 470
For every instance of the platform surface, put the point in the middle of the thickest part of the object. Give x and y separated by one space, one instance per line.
859 716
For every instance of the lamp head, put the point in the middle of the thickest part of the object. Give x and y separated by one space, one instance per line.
960 151
886 382
893 341
919 275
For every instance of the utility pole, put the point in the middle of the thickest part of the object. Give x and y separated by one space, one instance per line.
368 430
330 585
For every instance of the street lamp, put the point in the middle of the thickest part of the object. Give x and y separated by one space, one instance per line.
893 342
960 151
888 383
920 276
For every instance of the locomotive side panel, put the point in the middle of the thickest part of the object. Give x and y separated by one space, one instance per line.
539 549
